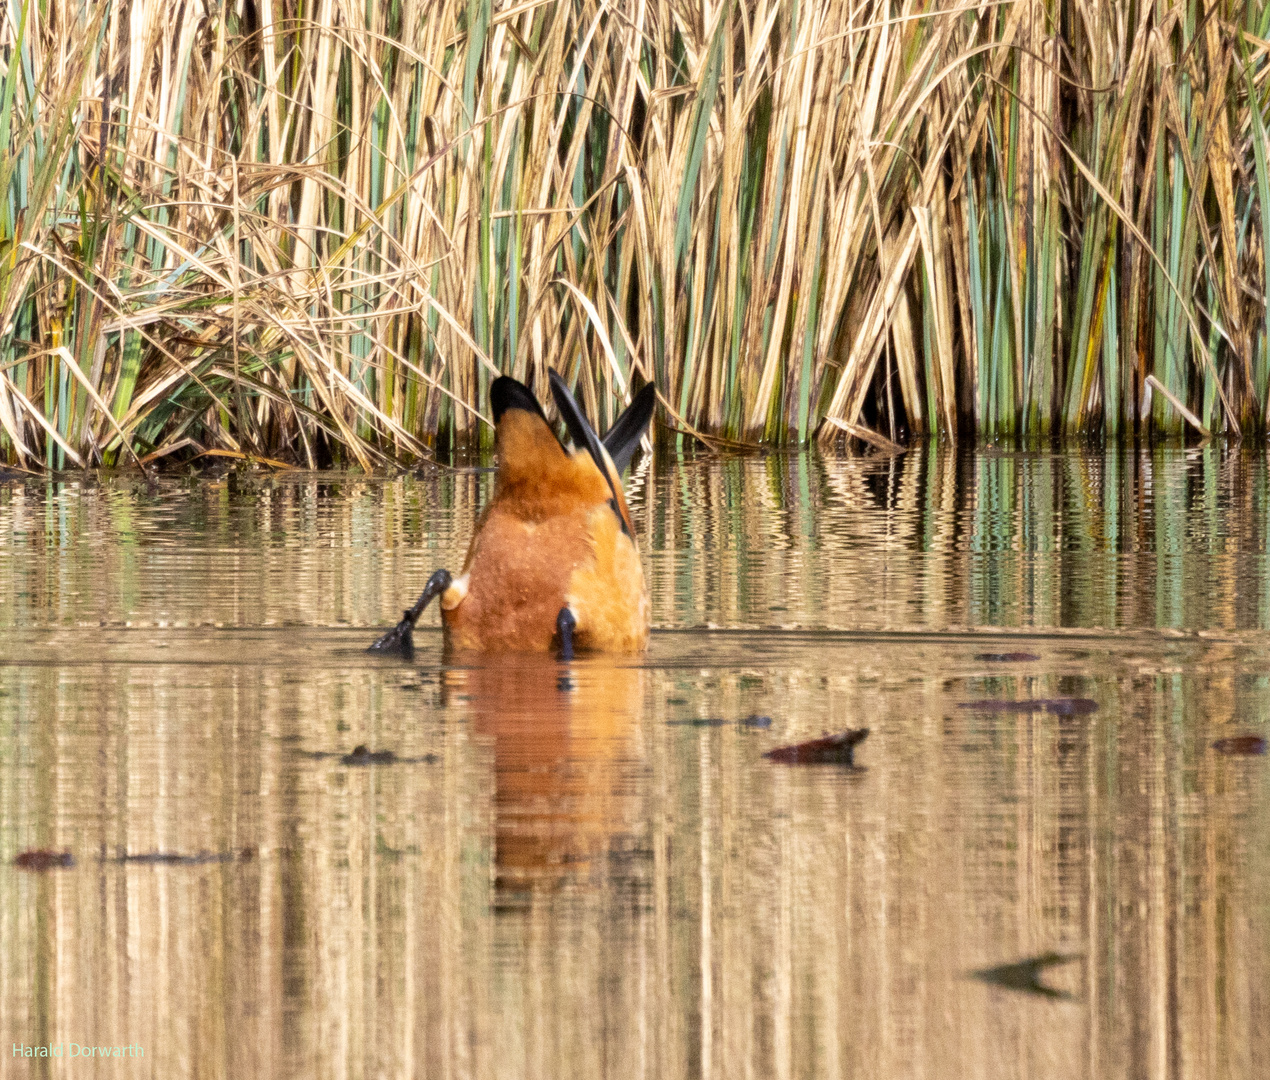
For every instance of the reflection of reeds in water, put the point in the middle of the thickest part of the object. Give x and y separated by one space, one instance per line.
1165 538
473 916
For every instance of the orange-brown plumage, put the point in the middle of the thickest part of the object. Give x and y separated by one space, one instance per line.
557 534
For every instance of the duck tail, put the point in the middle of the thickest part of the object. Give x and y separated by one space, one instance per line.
623 437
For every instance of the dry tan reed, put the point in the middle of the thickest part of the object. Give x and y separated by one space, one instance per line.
315 231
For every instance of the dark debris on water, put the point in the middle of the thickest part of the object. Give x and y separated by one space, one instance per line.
1026 974
752 721
176 858
361 754
1005 657
1062 706
836 749
1240 745
41 859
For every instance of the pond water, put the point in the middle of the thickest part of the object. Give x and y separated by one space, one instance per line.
589 869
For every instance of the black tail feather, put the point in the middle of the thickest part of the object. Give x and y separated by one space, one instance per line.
580 429
623 437
506 393
584 436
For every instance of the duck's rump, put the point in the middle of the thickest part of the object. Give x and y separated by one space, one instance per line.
521 571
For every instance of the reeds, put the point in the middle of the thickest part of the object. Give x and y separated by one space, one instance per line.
315 231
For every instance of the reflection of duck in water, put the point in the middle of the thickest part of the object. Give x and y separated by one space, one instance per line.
566 790
553 559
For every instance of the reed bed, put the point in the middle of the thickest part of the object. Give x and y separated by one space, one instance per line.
313 231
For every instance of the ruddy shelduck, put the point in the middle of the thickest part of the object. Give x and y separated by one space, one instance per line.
553 561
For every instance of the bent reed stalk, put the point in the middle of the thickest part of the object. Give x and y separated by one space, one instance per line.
314 231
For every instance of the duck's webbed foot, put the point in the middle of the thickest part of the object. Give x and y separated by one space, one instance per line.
565 625
400 639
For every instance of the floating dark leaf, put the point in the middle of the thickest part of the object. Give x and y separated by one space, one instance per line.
831 749
44 860
1025 975
1063 706
175 858
1006 657
1072 706
1240 744
361 755
752 721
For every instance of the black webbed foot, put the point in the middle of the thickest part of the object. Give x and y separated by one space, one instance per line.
565 625
400 639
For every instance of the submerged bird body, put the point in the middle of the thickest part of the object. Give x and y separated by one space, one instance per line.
553 561
550 539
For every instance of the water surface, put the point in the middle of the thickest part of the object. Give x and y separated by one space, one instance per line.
589 869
